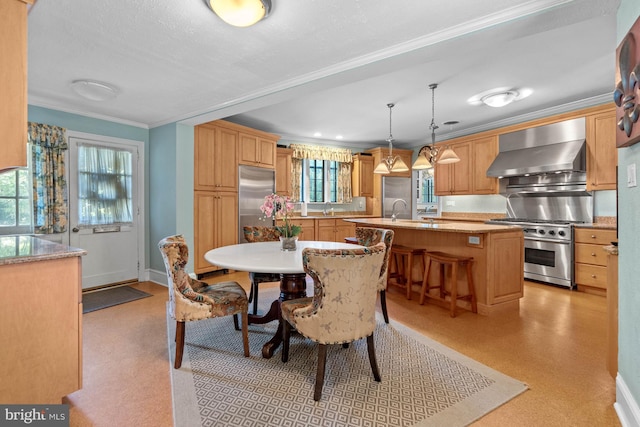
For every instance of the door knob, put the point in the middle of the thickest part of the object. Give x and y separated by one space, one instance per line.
75 229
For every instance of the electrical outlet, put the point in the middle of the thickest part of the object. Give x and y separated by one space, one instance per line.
474 240
631 175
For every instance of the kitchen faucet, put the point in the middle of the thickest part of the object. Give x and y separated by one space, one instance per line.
393 208
325 212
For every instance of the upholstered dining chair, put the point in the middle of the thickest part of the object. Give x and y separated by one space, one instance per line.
260 234
343 306
368 236
191 299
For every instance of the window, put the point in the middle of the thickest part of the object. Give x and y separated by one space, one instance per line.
319 181
15 202
427 200
104 186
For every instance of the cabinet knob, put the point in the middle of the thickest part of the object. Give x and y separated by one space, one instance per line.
593 276
593 254
593 236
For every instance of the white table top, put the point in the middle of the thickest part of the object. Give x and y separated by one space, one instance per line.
267 257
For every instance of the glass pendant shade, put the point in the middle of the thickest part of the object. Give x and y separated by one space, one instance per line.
422 163
448 156
382 168
391 164
240 13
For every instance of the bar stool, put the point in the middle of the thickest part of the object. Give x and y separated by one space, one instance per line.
453 261
403 275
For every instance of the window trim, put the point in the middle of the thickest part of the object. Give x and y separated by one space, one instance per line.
17 228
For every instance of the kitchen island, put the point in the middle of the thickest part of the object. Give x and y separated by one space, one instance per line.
497 250
41 317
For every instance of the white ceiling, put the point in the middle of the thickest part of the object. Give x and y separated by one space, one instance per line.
325 65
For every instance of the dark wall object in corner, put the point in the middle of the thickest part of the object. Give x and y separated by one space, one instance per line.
627 91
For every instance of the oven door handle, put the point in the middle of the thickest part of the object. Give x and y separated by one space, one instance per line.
538 239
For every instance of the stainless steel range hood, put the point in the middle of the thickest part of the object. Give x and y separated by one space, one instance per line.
558 147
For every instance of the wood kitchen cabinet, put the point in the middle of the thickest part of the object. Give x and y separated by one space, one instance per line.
374 204
469 175
602 155
334 230
454 178
257 149
308 228
362 176
283 172
216 157
13 83
591 259
215 225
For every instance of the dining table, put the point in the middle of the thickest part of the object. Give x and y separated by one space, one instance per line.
268 257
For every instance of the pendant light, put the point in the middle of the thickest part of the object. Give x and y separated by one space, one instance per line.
391 163
428 154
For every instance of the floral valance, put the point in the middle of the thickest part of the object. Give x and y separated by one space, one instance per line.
317 152
47 136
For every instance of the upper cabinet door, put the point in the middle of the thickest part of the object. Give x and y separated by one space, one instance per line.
13 83
257 151
216 158
602 155
484 151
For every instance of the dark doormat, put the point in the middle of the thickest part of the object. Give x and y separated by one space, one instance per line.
109 297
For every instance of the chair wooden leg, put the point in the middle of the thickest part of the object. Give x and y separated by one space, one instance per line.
372 358
254 293
236 325
472 290
425 283
286 333
383 306
454 288
245 332
179 344
322 362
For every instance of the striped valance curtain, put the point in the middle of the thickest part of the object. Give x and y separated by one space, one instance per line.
342 156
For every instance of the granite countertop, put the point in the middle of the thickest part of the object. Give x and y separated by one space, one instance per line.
339 215
452 227
22 249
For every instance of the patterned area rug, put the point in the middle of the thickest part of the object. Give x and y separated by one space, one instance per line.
423 382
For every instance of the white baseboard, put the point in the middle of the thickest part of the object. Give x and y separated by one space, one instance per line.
159 277
626 406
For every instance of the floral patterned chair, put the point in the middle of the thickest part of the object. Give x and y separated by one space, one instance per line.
260 234
367 236
191 299
343 306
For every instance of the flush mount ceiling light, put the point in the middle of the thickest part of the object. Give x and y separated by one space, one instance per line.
240 13
94 90
391 163
428 155
499 97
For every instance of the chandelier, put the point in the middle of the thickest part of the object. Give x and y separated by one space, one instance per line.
391 163
428 154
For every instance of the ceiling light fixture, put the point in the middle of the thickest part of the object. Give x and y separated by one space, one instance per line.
428 154
391 163
94 90
240 13
500 99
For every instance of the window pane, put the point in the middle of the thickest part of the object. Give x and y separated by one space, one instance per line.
104 186
23 183
7 212
333 181
24 212
8 184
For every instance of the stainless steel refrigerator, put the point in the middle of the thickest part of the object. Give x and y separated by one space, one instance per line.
254 183
394 188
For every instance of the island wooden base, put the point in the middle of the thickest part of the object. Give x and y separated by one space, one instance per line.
498 254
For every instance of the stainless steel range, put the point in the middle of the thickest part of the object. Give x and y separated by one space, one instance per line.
546 195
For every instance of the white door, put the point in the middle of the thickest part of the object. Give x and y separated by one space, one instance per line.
103 209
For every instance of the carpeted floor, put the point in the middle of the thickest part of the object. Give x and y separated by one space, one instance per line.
423 382
92 301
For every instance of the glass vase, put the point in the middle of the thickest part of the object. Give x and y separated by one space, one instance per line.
288 243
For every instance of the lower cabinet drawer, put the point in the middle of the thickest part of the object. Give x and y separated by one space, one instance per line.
590 254
591 275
